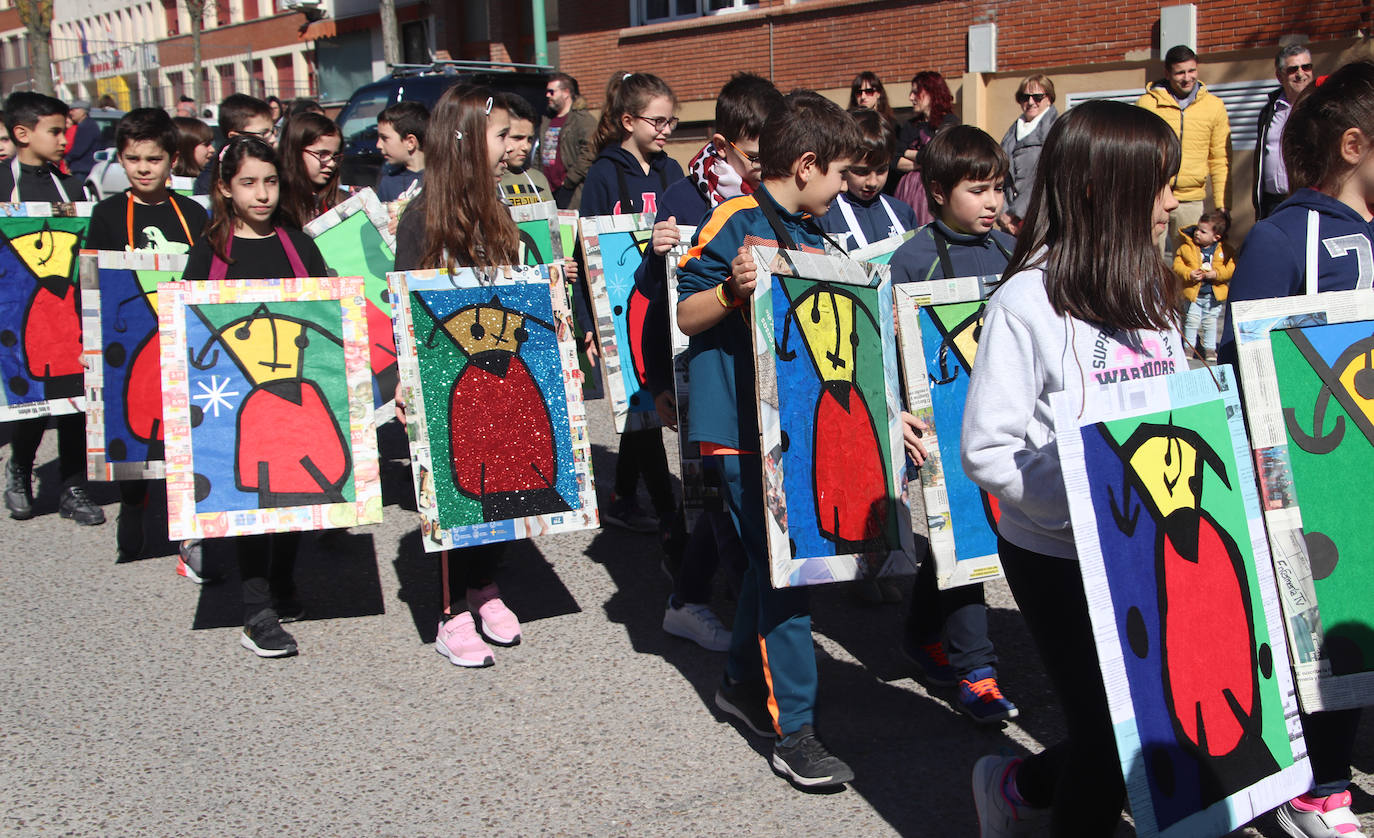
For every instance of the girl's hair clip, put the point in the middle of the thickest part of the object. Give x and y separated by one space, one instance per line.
626 76
489 104
457 136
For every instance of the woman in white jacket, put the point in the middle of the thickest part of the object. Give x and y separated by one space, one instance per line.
1087 300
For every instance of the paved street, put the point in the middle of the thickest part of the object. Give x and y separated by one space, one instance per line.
127 706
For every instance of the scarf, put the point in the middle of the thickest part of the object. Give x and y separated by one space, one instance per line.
714 178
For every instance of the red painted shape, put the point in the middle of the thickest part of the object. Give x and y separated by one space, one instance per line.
1208 643
382 340
636 315
501 436
143 396
267 419
851 490
52 335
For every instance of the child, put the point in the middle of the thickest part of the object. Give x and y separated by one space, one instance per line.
401 140
963 169
240 114
6 144
1204 263
38 124
522 183
630 173
1085 281
309 167
726 167
862 214
157 219
770 675
195 146
1327 150
246 239
458 220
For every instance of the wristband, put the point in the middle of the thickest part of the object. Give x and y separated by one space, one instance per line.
725 297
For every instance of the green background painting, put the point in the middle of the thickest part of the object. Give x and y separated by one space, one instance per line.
354 247
540 230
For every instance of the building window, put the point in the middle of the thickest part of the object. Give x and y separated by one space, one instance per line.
658 11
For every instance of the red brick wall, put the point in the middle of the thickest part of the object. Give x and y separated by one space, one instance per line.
823 43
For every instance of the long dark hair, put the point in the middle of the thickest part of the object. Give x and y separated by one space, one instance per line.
302 200
1092 213
463 213
871 79
1311 138
191 133
224 166
941 100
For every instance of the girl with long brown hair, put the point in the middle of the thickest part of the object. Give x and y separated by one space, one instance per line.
310 158
195 146
458 220
867 91
1086 299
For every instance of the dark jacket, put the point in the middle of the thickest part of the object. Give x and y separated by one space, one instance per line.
575 150
36 184
1266 116
874 222
914 133
81 152
1024 155
918 260
617 184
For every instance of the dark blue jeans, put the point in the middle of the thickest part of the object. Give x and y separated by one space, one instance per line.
957 616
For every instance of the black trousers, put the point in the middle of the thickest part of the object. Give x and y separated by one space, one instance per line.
956 616
267 566
642 455
27 434
469 568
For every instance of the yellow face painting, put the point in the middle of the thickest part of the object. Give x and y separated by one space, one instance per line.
483 328
48 253
1167 467
266 348
826 321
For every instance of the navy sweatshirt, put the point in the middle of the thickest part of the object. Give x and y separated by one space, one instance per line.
919 259
874 222
602 190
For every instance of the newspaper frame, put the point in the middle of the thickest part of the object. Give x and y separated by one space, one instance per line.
543 216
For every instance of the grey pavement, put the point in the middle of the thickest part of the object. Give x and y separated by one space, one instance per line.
127 706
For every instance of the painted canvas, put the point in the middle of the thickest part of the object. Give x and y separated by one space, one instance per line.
354 240
40 317
541 242
267 397
1306 366
614 246
825 353
880 252
1182 599
498 431
124 427
938 325
697 492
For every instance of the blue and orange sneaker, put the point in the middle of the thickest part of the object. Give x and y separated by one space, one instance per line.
982 699
932 665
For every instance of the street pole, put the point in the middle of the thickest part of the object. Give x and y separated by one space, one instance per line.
541 35
391 39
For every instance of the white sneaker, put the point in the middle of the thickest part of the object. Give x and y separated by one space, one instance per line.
997 814
697 623
1319 817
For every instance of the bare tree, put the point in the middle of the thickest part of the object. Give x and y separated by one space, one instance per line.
36 15
391 40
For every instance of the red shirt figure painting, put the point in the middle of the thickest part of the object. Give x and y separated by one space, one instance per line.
52 319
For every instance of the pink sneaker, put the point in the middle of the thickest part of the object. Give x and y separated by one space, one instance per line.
1319 817
458 641
499 625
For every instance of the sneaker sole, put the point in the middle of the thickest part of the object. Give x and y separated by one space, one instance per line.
492 637
185 570
458 661
72 516
247 642
739 715
780 765
21 516
991 720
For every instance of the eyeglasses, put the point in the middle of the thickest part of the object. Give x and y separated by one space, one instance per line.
266 136
325 157
1022 98
752 158
868 91
1297 68
660 123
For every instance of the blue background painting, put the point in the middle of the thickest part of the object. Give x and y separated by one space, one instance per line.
620 258
126 320
17 285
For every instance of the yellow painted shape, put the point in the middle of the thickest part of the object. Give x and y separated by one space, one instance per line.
497 329
1347 378
1166 466
48 253
826 322
268 348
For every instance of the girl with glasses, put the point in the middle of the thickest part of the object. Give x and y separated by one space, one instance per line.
310 158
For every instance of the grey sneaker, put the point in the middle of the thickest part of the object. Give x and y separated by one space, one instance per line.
18 492
77 505
802 758
747 705
695 621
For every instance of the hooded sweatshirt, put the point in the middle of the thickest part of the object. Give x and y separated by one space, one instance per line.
1273 260
616 183
1025 353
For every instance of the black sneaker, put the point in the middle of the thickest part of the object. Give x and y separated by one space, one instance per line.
18 492
264 637
129 532
802 758
78 506
747 705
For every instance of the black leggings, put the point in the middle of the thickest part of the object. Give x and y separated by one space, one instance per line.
267 565
469 568
1079 777
642 453
27 434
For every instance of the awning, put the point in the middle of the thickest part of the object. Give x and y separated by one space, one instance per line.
326 28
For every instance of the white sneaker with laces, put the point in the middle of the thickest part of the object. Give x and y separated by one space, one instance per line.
1319 817
698 623
998 815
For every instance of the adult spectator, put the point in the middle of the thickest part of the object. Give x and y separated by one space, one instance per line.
1293 68
1023 142
107 101
1200 121
81 150
275 105
565 138
867 91
186 107
932 108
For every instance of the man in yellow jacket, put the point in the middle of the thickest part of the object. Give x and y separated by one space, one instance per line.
1204 130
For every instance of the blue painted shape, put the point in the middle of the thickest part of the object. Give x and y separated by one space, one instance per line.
620 258
128 324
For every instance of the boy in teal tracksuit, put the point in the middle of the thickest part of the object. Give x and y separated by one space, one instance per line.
770 676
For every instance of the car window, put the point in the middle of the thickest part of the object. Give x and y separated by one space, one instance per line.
360 115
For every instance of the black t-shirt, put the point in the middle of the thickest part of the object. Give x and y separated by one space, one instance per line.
36 184
410 238
156 226
257 258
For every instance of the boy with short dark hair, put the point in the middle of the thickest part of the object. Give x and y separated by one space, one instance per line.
522 183
862 214
38 127
401 140
240 113
947 631
770 675
38 124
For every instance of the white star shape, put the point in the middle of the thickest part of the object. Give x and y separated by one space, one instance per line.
216 394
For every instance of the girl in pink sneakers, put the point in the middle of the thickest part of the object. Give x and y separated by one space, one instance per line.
458 220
